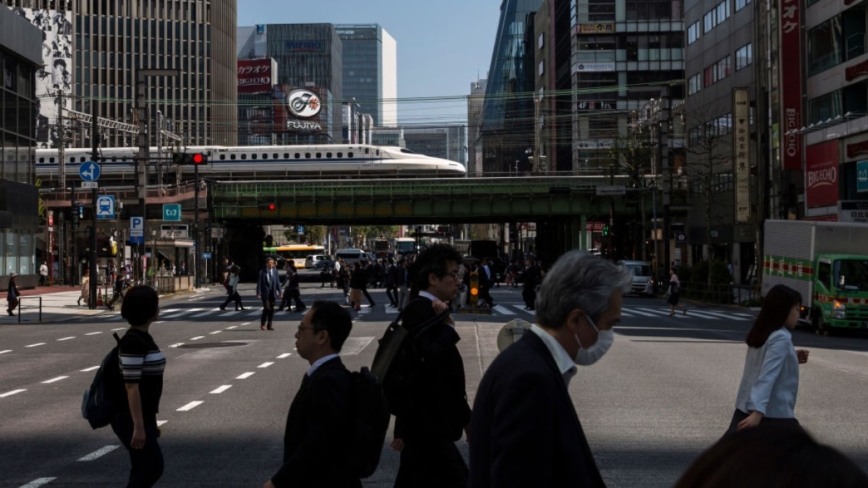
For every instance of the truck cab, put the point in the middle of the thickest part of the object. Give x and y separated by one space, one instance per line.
840 292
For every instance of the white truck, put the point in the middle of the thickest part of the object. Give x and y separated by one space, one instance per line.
827 262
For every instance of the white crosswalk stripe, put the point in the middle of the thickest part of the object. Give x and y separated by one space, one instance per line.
185 312
203 314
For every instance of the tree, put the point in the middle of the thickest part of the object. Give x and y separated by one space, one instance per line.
314 234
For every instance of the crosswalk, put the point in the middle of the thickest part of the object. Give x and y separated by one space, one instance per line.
506 310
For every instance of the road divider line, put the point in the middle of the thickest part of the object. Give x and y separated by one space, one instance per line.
231 327
178 344
37 344
216 332
264 365
161 422
197 338
190 406
99 453
119 328
7 350
38 482
66 338
245 323
160 322
94 333
85 370
245 376
221 389
10 393
53 380
284 355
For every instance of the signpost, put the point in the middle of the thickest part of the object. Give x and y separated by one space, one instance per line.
137 230
172 212
105 207
89 172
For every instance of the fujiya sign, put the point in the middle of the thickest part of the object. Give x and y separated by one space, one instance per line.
303 103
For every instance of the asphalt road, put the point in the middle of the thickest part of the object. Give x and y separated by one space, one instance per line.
662 394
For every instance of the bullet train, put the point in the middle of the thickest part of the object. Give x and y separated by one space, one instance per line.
264 162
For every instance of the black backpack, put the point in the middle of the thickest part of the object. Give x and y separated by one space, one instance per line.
396 361
101 400
370 423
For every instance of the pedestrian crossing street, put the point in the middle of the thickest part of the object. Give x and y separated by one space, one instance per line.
506 310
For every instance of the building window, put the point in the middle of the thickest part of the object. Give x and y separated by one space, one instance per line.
837 40
541 68
694 84
693 33
540 42
708 76
743 57
740 4
825 107
708 22
716 16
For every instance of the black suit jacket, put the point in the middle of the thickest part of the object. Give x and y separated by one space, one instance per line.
525 431
314 445
438 408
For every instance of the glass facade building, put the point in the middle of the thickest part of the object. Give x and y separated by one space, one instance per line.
507 131
370 71
20 59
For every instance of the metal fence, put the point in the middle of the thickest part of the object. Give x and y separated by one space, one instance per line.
720 293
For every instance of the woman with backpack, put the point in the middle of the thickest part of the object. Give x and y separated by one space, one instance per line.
770 382
12 294
232 289
674 293
142 365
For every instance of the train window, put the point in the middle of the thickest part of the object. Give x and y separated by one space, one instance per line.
252 156
377 152
367 151
404 150
222 157
329 155
41 160
265 156
50 160
318 155
307 155
275 156
285 156
243 156
297 156
231 156
349 154
340 155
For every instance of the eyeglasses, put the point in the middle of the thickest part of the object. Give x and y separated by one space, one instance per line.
302 327
455 274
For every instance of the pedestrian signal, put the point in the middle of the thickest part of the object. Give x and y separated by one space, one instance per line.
605 231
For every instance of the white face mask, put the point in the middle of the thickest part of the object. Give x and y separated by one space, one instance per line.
589 356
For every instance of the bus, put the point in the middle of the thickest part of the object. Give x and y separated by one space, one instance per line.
405 246
295 252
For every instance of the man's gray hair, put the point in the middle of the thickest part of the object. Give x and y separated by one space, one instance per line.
579 280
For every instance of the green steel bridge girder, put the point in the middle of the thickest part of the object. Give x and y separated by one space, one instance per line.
410 201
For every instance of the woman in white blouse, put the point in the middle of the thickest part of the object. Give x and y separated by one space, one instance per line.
770 382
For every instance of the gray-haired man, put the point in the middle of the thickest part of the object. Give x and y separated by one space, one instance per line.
523 399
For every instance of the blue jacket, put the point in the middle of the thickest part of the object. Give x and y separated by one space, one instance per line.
264 289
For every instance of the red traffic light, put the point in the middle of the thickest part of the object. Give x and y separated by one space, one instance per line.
199 158
270 206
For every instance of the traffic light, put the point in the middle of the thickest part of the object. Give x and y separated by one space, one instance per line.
268 206
605 231
76 213
474 288
188 159
199 158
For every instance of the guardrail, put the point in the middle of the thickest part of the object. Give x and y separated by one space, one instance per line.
721 294
21 306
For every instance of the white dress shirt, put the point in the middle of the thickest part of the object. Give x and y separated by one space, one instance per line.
319 362
565 363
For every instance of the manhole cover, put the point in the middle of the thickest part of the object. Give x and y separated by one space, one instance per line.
206 345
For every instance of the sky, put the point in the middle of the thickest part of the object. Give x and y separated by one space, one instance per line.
443 45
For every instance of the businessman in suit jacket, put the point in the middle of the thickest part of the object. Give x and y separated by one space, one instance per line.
438 412
268 290
525 428
315 448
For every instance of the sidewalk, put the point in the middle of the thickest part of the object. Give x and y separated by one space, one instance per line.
59 303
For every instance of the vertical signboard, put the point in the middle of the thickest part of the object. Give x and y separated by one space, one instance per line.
741 153
862 177
791 83
256 75
821 174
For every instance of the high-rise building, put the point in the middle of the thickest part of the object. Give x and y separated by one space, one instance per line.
370 71
20 59
307 59
507 120
474 125
92 51
442 141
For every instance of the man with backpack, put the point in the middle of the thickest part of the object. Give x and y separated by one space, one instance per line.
320 419
433 413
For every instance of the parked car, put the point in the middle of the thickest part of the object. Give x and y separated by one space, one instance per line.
643 281
319 262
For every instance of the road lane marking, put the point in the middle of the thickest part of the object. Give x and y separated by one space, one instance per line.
10 393
221 389
177 344
718 314
7 350
209 312
284 355
99 453
185 312
264 365
245 323
85 370
66 338
245 376
161 422
644 314
52 380
37 344
38 482
216 332
197 338
160 322
231 327
94 333
702 315
503 310
119 328
190 406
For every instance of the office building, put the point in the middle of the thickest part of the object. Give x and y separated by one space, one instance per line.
20 60
370 71
474 126
92 51
442 141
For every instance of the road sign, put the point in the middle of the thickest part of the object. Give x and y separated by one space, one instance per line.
170 231
172 212
301 229
89 171
89 185
206 255
611 190
105 207
217 232
137 230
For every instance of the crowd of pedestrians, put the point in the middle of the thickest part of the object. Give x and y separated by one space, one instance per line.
523 428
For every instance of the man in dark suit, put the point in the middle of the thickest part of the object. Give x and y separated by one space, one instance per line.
525 428
437 411
485 281
268 290
315 451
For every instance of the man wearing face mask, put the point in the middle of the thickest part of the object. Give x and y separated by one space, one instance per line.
525 428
